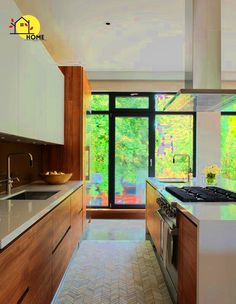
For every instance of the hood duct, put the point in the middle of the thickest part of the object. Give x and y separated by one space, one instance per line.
202 92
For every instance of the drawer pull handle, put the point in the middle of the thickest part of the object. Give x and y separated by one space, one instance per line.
61 240
23 296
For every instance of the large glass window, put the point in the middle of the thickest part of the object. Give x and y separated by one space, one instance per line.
128 136
228 146
174 135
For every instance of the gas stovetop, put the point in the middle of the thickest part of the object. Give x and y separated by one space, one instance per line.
200 194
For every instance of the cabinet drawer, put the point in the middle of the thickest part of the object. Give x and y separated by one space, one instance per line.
14 272
60 260
76 229
61 221
77 201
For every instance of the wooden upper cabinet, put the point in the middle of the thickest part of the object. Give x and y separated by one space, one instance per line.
14 271
187 260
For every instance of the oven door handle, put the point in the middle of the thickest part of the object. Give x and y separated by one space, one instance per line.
159 214
172 232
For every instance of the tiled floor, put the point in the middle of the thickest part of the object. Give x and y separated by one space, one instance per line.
116 230
114 271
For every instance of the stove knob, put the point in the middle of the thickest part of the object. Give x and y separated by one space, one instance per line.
173 212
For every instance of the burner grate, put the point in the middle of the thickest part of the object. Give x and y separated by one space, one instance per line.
200 194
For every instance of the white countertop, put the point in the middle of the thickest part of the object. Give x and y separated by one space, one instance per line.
16 216
216 242
197 212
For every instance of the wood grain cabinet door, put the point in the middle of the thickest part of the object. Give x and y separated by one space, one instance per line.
41 262
187 260
61 221
153 223
60 260
14 271
76 217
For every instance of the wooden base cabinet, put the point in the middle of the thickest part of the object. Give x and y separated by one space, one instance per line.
76 217
153 224
60 260
41 262
14 271
187 260
31 267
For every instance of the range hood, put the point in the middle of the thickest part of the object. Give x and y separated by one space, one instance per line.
202 100
202 91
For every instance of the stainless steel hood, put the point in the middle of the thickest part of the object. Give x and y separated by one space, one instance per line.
202 100
202 91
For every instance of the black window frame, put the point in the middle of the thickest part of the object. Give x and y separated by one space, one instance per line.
149 112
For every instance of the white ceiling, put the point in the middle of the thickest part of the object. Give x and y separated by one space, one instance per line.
144 35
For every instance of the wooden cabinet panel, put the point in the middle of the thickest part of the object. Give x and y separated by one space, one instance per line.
76 217
41 262
32 267
77 201
152 220
60 260
61 221
187 260
14 271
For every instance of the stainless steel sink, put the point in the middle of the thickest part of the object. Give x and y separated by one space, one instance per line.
32 195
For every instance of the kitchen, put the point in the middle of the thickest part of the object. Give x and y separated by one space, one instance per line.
99 141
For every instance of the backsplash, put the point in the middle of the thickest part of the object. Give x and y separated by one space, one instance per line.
20 164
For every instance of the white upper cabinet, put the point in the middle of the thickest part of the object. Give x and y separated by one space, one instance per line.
55 104
31 86
9 59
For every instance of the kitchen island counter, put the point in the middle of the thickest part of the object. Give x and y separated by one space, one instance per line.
202 211
215 239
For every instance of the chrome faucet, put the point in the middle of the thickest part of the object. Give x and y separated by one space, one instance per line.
189 172
10 180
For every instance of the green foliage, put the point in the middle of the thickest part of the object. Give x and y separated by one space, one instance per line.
100 102
99 143
131 151
132 102
177 131
228 146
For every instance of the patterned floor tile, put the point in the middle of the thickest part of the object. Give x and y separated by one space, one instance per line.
114 272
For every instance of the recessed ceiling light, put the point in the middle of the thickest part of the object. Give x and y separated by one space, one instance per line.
108 23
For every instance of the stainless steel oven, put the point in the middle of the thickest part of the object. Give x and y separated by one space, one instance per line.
168 239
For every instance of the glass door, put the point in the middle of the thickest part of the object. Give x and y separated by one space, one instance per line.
131 160
131 139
